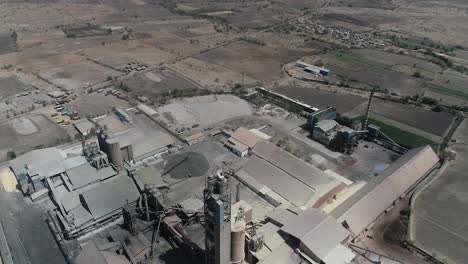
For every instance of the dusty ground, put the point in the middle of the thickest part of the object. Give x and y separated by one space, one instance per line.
46 133
210 75
204 110
259 62
96 104
374 241
153 84
440 212
67 77
11 85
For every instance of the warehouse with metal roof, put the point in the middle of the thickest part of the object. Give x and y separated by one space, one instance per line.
292 178
320 236
246 137
364 206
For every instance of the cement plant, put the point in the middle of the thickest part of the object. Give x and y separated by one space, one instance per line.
233 132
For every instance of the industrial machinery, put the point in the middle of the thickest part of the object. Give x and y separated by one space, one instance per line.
95 157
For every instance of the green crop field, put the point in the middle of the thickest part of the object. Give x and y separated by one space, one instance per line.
348 55
403 137
448 91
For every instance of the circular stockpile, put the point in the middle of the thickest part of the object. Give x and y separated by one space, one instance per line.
24 126
188 164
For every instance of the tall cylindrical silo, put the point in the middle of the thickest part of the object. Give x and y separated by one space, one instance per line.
114 153
238 242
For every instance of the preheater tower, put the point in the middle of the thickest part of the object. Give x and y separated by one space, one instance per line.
217 199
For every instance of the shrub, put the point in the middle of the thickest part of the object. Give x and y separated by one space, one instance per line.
11 155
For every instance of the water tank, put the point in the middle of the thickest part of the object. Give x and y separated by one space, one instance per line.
237 242
113 152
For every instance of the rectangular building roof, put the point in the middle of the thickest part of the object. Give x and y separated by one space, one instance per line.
110 196
260 133
42 162
85 174
233 143
279 181
150 174
326 125
195 136
73 162
297 168
319 233
90 254
363 207
246 137
142 145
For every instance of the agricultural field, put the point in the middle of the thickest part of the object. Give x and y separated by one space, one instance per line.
404 138
438 221
7 43
436 123
153 84
256 61
75 76
211 76
10 85
374 70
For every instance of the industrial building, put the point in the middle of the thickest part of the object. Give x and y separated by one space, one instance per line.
89 189
286 102
363 207
295 180
313 69
309 236
243 140
129 177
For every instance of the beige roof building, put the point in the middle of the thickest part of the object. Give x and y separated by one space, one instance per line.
320 235
363 207
246 137
294 179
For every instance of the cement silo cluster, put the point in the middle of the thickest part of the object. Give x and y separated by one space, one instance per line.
111 146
